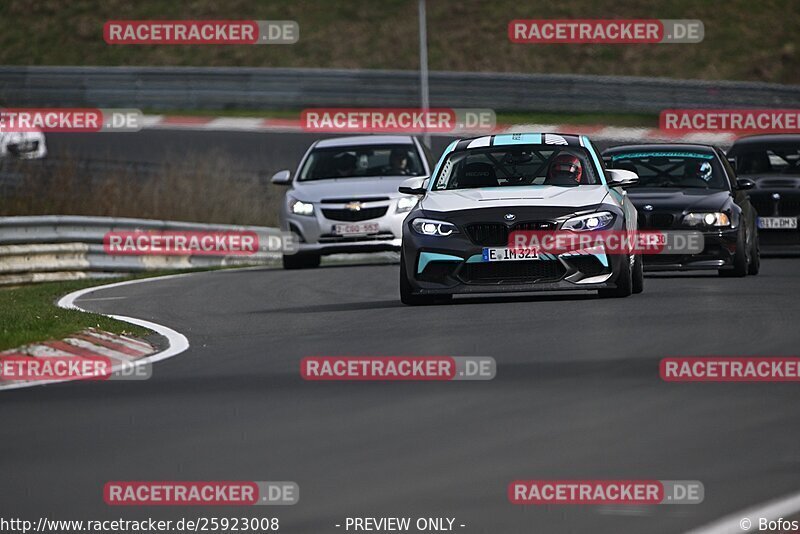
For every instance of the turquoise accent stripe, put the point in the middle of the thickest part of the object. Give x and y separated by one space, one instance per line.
475 258
447 150
637 155
603 259
588 146
426 257
518 139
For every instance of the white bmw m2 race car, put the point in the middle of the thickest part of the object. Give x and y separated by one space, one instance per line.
487 189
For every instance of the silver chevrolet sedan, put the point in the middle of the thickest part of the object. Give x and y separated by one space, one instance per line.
343 197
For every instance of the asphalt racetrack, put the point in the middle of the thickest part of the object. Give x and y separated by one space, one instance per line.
577 396
577 393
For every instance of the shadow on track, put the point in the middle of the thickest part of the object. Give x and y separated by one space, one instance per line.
458 301
683 274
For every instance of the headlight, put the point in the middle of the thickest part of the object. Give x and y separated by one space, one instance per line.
432 227
592 221
299 207
707 219
406 204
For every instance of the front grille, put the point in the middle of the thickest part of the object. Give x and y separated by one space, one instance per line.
496 234
511 272
658 219
346 200
535 225
488 235
330 238
363 214
764 206
788 206
661 220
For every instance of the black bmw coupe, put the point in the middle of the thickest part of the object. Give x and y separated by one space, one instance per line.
773 163
692 187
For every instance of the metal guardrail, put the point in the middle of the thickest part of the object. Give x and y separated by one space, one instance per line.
252 88
49 248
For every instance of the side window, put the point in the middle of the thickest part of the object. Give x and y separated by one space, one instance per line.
602 162
729 172
427 154
596 151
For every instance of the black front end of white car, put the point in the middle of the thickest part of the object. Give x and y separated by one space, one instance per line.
438 264
460 251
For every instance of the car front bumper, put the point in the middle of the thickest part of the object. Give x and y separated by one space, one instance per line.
779 242
316 232
455 265
719 249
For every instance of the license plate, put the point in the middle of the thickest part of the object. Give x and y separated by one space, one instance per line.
510 254
356 229
652 239
777 223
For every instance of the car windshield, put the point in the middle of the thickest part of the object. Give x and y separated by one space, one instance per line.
781 158
517 165
679 169
361 161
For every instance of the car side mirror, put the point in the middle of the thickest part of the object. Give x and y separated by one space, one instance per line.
743 184
622 178
417 185
283 177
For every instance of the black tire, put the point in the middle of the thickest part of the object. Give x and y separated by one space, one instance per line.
755 255
624 283
638 275
407 295
301 261
739 258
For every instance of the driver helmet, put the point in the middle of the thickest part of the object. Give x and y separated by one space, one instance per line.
565 167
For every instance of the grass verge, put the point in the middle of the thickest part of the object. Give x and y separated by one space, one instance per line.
744 40
190 187
28 314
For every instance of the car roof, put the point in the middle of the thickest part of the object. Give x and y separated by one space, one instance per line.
766 138
361 140
510 139
660 147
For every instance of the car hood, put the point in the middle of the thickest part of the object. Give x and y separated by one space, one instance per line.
345 188
532 196
669 199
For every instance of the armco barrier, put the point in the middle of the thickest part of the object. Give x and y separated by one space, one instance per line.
254 88
48 248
